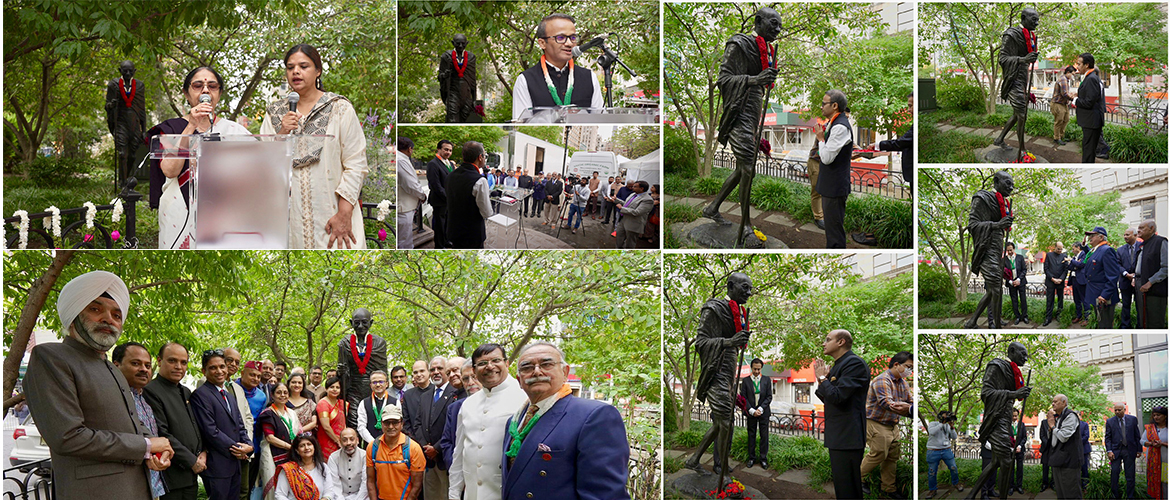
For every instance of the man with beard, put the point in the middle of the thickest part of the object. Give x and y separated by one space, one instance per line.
347 469
746 71
723 329
437 170
478 433
83 406
990 219
1003 384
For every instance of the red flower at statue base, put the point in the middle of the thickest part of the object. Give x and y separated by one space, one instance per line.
1027 158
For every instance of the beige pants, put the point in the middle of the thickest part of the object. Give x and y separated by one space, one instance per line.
814 169
1060 114
435 483
884 450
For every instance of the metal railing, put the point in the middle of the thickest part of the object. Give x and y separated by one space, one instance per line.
1121 114
1098 458
29 481
811 425
872 180
72 230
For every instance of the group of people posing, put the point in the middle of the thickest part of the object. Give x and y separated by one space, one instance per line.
1100 277
464 429
464 196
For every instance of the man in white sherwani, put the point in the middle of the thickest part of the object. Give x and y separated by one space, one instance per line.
482 425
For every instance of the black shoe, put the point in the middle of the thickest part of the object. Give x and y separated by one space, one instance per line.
895 495
1018 320
865 488
1047 321
751 462
763 464
1043 487
1060 142
820 223
1026 322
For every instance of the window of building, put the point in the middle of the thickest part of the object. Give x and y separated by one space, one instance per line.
1153 371
1140 341
801 392
1145 208
1114 382
1117 350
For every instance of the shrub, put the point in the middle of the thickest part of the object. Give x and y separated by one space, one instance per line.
968 307
769 193
689 438
670 412
677 185
58 171
891 221
1039 124
679 154
948 147
709 186
935 284
1130 145
674 211
973 120
996 120
959 94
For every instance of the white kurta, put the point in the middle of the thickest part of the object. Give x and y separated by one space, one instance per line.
348 475
479 441
316 188
176 229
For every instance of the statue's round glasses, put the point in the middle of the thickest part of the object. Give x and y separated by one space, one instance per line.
562 38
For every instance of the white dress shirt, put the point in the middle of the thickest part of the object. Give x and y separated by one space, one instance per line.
347 473
521 100
410 193
363 421
837 139
483 197
479 437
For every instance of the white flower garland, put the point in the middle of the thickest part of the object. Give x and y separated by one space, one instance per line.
22 243
117 213
53 222
90 212
383 210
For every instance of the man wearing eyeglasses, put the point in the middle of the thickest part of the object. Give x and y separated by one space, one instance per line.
556 80
558 445
468 199
369 413
480 429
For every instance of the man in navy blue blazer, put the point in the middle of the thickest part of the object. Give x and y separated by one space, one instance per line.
559 446
1123 445
222 427
471 386
1128 255
1102 270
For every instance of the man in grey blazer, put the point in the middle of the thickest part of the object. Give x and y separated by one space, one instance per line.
82 405
634 211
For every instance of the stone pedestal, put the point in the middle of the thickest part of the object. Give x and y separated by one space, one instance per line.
996 154
706 234
697 484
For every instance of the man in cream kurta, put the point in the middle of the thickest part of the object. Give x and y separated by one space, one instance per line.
340 174
479 435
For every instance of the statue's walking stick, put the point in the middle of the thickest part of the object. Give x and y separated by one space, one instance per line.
731 427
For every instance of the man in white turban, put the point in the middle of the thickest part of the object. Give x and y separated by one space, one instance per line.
81 403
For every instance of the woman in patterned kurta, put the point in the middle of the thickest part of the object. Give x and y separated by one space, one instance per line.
328 174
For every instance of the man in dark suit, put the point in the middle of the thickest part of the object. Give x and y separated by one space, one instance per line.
437 170
756 391
1127 253
83 405
222 429
427 412
1123 445
559 446
1015 278
1150 279
1055 274
1090 105
1045 448
842 389
1102 270
1076 278
176 422
905 144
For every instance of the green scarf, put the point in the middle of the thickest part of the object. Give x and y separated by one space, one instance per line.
518 437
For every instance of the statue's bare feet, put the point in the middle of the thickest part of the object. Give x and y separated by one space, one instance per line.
712 212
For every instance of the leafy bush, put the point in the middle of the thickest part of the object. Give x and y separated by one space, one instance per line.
996 120
670 412
709 186
674 211
1130 145
689 438
677 185
967 306
672 464
935 284
959 94
679 154
1039 124
934 310
973 120
890 220
58 171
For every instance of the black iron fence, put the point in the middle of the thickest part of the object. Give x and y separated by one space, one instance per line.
872 180
1097 458
33 480
1153 116
797 424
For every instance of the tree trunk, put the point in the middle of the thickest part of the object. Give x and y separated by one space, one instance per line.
37 295
991 94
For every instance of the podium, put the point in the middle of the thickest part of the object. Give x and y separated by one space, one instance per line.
240 185
512 198
571 115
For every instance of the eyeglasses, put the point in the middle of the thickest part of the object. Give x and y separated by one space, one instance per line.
494 361
210 85
545 366
209 352
561 38
377 382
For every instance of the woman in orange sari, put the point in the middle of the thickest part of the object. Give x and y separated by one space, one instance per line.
304 477
1155 442
330 418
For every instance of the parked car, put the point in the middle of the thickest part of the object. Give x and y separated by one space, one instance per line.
28 445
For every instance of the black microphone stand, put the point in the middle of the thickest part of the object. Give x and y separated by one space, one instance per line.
606 60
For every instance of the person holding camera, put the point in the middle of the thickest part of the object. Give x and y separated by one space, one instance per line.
942 435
